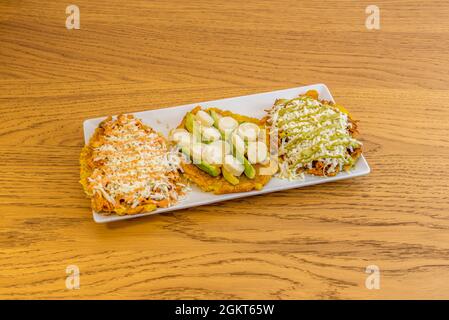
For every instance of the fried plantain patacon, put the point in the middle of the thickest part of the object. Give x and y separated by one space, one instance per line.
225 152
314 136
127 168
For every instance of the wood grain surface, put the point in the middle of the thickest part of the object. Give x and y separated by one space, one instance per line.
313 242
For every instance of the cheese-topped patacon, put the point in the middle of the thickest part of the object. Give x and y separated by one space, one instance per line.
314 136
128 168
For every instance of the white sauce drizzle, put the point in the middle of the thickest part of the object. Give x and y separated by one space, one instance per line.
135 164
311 131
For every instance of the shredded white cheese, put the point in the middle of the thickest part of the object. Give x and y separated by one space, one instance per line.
134 165
311 131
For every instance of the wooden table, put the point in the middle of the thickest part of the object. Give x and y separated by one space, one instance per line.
314 242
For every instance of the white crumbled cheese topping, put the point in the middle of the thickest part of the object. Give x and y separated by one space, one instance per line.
311 131
134 164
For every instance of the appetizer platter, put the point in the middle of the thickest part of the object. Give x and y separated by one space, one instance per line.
162 160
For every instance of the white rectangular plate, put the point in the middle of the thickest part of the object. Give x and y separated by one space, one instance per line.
163 120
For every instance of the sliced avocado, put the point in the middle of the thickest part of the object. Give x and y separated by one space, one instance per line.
185 151
249 171
230 177
191 127
215 116
212 170
190 119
